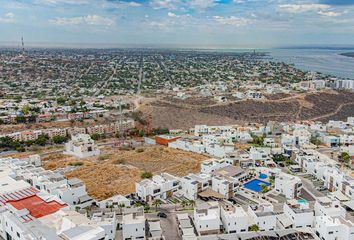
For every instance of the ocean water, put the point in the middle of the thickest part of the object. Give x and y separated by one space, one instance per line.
326 61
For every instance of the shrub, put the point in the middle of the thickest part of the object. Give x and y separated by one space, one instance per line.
145 175
76 164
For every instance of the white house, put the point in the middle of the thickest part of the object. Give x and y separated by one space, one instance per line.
81 146
334 228
288 185
234 219
331 141
264 217
192 184
327 207
115 201
210 165
159 187
207 218
297 215
133 226
226 180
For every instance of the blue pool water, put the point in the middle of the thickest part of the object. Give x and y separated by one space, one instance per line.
255 185
263 176
301 201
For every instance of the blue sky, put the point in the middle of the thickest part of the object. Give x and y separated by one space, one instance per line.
234 23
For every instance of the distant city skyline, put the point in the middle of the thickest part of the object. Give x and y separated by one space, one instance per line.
193 23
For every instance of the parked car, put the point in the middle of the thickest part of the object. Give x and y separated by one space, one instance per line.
322 188
281 164
162 215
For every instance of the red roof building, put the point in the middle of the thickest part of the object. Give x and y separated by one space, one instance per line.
36 206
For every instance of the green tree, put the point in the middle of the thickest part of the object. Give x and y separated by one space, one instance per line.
264 188
59 139
278 158
160 131
121 206
254 228
345 157
157 203
95 136
20 119
315 140
271 180
26 109
42 140
258 140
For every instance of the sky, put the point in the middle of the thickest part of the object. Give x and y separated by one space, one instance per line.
197 23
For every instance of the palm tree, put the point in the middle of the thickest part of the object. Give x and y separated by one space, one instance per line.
121 206
192 203
147 208
111 207
157 203
184 203
264 188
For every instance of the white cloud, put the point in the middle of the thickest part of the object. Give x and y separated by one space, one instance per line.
84 20
133 4
171 14
168 4
74 2
330 13
300 8
182 4
201 4
232 20
8 18
121 5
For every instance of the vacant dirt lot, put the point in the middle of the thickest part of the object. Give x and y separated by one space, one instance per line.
116 171
281 107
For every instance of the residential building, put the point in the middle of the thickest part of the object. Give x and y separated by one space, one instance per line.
81 146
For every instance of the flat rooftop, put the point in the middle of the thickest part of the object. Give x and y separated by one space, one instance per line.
36 206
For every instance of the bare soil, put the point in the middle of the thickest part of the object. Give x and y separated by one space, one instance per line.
116 171
320 106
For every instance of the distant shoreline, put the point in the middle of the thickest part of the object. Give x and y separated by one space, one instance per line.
348 54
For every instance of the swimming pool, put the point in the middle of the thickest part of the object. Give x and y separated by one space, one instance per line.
303 201
255 185
263 176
